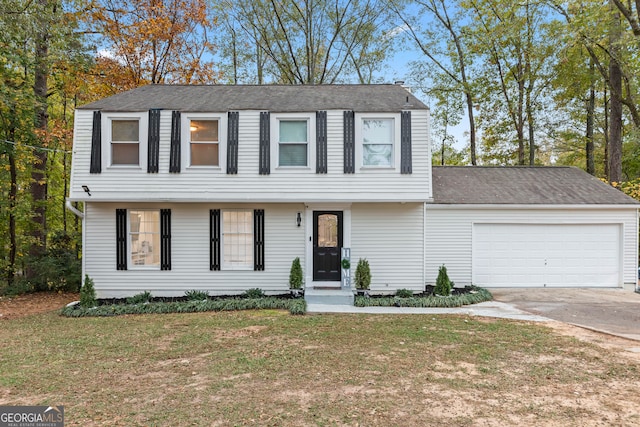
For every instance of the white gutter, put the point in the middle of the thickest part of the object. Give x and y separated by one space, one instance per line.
75 211
532 206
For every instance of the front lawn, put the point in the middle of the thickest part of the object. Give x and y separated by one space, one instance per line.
269 368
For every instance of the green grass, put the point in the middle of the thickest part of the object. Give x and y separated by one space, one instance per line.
270 368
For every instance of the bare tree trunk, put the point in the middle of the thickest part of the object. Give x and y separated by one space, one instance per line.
589 146
606 133
13 192
472 129
615 106
38 173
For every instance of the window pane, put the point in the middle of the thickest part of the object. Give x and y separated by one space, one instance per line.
377 154
237 231
293 155
377 131
204 130
125 153
124 130
144 227
204 154
328 231
293 131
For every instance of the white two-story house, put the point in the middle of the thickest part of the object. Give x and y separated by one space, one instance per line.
219 188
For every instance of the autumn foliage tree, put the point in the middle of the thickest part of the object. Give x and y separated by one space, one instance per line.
152 41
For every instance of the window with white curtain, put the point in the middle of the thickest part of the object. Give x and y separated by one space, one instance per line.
377 142
237 240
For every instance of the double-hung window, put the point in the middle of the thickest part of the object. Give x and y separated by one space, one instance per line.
125 142
293 142
378 142
144 238
204 142
237 239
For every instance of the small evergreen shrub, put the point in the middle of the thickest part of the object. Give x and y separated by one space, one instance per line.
404 293
254 293
88 293
443 284
363 274
195 295
295 275
140 298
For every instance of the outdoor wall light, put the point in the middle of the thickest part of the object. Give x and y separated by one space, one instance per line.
86 189
298 219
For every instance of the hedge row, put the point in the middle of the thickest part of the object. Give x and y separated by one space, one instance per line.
473 297
294 305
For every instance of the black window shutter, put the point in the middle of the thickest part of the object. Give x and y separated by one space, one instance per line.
96 143
349 142
232 143
121 239
405 142
165 239
321 142
153 141
265 136
214 235
174 154
258 239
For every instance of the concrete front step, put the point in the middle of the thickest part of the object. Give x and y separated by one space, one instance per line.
328 296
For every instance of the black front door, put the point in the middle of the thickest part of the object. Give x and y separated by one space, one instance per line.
327 243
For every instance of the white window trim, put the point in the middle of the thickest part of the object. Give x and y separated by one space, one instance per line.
130 264
359 152
310 118
231 267
143 131
185 139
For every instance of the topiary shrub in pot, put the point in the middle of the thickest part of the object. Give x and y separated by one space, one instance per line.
443 284
363 276
295 277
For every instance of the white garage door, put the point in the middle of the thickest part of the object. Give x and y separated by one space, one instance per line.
546 255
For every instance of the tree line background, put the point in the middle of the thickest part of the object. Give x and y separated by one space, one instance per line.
530 82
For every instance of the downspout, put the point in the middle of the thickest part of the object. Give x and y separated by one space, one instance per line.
80 215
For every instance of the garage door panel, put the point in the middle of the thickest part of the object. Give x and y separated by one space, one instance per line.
546 254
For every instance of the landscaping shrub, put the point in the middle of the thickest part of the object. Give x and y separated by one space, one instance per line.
404 293
295 275
195 295
470 295
140 298
363 275
253 293
443 284
88 293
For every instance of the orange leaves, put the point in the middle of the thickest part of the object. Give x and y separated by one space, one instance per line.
153 41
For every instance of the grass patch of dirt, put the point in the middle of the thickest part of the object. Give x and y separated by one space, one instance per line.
271 368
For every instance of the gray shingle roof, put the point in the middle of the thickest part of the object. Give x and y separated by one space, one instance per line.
277 98
522 185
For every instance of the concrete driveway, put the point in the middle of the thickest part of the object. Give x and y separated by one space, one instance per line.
613 311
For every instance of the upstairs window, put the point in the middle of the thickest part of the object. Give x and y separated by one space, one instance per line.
293 139
204 142
377 142
125 142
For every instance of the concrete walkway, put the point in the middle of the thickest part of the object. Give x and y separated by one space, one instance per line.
487 309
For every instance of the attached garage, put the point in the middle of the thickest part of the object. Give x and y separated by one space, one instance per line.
530 227
546 255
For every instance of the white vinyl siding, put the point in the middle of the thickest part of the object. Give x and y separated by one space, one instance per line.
391 237
449 234
284 241
290 184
